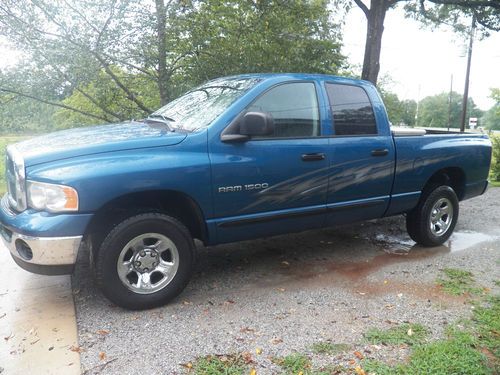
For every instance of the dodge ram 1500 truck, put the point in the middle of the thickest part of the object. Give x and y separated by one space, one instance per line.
237 158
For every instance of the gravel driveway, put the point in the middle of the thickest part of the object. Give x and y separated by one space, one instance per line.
285 293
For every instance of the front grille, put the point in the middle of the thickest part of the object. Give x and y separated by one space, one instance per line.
15 176
10 177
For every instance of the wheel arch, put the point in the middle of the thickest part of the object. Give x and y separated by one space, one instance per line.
174 203
451 176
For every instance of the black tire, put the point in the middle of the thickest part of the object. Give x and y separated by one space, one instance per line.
419 221
113 247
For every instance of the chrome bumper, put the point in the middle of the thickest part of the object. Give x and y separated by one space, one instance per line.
44 253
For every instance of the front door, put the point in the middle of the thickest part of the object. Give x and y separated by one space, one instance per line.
276 183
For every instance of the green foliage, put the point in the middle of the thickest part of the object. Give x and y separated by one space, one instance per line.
232 37
410 334
325 347
434 111
113 101
112 61
491 119
458 282
400 112
219 364
495 162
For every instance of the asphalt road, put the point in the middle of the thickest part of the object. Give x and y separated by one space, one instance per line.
285 293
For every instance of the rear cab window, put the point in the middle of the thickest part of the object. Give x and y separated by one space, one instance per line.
351 109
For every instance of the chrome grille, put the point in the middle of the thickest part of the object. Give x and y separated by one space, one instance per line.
15 176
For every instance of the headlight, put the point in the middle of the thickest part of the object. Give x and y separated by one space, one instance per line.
51 197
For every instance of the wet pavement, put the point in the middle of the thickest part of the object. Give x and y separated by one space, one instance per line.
285 293
37 322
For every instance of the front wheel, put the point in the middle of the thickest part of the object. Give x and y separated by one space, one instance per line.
145 261
432 222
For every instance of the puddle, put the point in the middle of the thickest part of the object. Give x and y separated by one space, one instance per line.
459 241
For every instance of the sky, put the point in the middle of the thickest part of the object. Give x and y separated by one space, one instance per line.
420 61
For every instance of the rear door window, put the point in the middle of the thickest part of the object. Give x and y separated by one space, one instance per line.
351 109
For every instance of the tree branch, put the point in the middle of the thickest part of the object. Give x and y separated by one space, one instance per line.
363 7
29 96
469 4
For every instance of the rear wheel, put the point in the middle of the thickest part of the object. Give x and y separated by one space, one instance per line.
432 222
145 261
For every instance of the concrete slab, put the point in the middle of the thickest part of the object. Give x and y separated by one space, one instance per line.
38 333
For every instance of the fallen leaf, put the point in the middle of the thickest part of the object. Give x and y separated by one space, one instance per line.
361 293
102 332
102 356
188 365
253 372
285 263
247 330
400 295
352 362
258 351
187 303
229 302
386 282
358 355
247 357
7 338
76 349
359 371
389 307
410 332
276 341
280 289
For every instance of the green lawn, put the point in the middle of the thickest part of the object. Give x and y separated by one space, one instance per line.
4 141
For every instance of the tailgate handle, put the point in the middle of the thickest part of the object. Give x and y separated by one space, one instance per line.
313 157
380 152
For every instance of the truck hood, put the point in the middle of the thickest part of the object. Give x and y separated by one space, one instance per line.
91 140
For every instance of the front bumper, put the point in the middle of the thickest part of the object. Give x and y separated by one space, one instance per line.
43 255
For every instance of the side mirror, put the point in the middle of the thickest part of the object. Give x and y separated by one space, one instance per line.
257 124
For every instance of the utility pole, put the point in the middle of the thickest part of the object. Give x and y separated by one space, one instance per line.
467 75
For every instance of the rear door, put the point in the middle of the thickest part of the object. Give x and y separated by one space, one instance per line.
361 156
276 183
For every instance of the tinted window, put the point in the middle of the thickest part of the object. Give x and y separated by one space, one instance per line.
294 107
351 109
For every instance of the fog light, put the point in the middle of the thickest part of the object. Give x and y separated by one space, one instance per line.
24 250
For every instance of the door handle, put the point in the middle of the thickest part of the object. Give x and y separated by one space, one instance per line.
380 152
313 157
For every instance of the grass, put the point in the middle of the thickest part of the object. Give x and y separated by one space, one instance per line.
233 364
300 364
458 282
471 351
4 141
410 334
325 347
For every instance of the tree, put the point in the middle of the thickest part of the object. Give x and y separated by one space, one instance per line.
435 110
486 13
491 119
400 112
110 60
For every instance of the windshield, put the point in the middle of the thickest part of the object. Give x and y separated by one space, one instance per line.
199 107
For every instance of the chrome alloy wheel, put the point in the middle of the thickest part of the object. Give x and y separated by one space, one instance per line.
441 216
148 263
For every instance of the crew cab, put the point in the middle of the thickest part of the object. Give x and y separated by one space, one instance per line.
237 158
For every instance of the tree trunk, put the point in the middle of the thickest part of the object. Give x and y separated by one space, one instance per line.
161 24
374 30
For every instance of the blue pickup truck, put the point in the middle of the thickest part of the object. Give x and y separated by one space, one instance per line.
237 158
